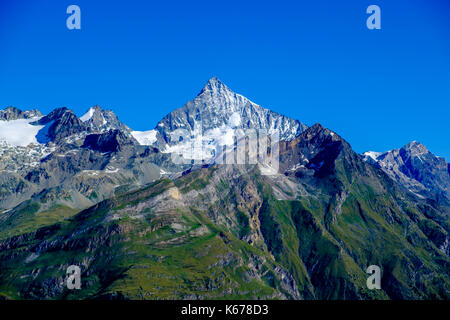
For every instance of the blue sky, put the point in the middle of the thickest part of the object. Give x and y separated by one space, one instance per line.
311 60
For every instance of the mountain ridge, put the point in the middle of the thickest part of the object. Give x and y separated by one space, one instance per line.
95 193
415 167
308 232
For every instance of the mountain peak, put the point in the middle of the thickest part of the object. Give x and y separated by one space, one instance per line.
214 85
11 109
416 168
317 129
98 119
54 115
215 81
91 112
416 147
13 113
219 111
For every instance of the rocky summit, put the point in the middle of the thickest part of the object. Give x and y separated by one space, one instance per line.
90 191
416 168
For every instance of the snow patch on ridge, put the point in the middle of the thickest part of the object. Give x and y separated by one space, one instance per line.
372 154
145 138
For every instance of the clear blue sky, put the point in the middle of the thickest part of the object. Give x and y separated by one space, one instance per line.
312 60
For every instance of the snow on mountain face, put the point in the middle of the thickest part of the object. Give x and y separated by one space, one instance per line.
371 155
63 150
213 116
98 120
414 167
88 115
145 138
19 132
204 145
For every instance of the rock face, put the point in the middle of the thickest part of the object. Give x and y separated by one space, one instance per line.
59 124
315 149
98 120
110 141
416 168
214 114
12 113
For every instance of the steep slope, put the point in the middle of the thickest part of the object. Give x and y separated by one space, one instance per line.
144 245
99 120
416 168
371 218
213 116
229 232
308 230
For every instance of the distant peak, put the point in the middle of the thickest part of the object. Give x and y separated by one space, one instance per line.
10 108
96 108
317 128
58 112
13 113
415 145
56 115
90 113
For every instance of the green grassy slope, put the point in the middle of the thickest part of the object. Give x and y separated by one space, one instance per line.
220 233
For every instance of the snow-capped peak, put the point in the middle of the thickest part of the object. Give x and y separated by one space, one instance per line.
211 120
98 119
214 85
96 111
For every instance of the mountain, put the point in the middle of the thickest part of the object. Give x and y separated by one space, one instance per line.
416 168
48 152
59 124
230 232
12 113
97 119
60 159
212 117
92 192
